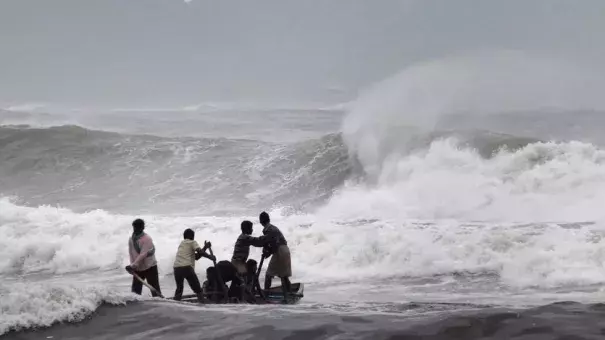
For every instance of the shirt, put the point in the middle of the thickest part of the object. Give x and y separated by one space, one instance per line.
241 251
142 255
274 237
185 255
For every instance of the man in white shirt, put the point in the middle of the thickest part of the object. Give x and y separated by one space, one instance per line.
184 265
142 259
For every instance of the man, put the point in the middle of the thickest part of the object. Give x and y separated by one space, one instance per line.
251 282
277 248
227 273
184 264
250 276
241 250
142 259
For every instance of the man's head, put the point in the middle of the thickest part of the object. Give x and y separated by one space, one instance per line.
247 227
188 234
264 218
138 225
251 266
210 274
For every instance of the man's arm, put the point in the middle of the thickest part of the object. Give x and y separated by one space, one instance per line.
256 241
268 241
201 252
265 241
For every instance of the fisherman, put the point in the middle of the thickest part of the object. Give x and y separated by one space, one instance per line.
241 287
250 276
226 273
184 264
277 248
241 250
142 259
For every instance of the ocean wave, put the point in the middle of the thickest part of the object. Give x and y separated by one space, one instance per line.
327 246
27 305
539 182
81 168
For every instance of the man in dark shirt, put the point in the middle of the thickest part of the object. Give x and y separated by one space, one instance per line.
227 273
241 250
276 246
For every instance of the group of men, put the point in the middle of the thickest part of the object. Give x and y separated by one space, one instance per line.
240 271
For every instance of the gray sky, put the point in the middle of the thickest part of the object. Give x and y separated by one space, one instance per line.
168 52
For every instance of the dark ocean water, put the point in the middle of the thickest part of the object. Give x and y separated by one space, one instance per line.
157 320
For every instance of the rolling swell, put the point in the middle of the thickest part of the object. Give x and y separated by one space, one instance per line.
81 168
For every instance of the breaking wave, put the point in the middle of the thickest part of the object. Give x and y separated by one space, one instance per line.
358 235
470 174
26 305
80 168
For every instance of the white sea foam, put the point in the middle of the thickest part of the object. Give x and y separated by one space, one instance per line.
563 182
56 240
27 304
438 211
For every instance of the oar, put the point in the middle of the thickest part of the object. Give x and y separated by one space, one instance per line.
256 282
220 278
260 266
146 284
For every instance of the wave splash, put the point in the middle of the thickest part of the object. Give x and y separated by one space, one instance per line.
32 305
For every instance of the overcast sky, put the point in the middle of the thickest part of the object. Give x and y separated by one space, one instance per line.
168 52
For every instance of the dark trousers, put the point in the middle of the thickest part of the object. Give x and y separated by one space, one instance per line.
186 273
151 276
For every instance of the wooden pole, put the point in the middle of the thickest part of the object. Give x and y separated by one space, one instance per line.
256 282
147 284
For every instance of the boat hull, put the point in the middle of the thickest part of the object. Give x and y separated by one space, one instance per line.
272 296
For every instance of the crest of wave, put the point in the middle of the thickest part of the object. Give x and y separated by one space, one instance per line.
482 82
27 305
445 206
